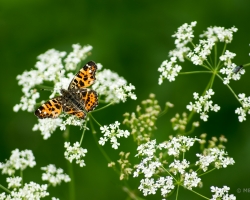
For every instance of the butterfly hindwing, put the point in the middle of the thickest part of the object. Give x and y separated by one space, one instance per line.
50 109
85 77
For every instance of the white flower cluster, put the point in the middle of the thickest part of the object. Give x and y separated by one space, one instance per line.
222 193
19 160
203 105
47 126
201 51
178 145
28 191
151 165
112 132
220 34
184 34
76 56
245 109
150 186
54 176
75 152
191 180
230 69
214 155
14 182
179 166
169 70
112 87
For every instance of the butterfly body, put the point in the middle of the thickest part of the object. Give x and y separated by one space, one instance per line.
77 100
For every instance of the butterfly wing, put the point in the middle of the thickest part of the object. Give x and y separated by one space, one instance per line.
50 109
90 99
85 77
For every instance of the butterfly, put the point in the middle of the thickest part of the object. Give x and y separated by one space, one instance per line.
77 100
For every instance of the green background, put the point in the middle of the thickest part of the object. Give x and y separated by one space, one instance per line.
131 38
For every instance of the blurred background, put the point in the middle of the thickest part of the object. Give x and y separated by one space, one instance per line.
131 38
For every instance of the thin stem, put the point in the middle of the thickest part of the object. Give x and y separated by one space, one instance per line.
169 173
229 88
21 175
177 192
197 193
5 189
84 129
104 153
70 170
246 65
215 54
131 194
223 51
207 172
195 72
211 67
94 119
103 107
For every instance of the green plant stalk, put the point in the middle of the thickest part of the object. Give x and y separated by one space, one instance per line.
70 171
5 189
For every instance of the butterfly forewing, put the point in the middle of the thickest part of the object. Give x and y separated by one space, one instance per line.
85 77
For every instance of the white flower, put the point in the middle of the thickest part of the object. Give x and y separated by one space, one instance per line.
203 105
201 51
178 144
214 155
245 109
76 56
184 34
191 180
19 160
75 152
231 70
14 182
169 70
112 132
220 34
112 87
47 126
222 193
29 191
53 175
179 166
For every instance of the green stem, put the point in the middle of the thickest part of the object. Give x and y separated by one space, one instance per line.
223 51
195 72
104 153
103 107
246 65
197 193
229 88
5 189
169 173
94 119
207 172
70 170
177 192
215 54
84 129
21 175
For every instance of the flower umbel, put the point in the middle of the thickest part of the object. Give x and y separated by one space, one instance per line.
19 160
75 152
203 105
112 132
53 175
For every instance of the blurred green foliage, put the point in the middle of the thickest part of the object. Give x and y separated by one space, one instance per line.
131 38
